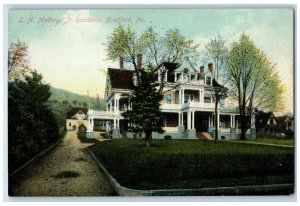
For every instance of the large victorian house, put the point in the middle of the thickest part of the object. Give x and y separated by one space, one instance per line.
188 105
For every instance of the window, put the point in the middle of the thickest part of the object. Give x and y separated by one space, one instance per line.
207 99
224 121
69 124
208 80
169 98
188 97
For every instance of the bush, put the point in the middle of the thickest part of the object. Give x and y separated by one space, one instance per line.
32 126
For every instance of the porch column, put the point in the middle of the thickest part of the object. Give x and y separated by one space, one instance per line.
189 119
182 118
115 124
182 97
200 99
209 121
231 121
179 96
106 107
179 118
193 121
110 106
118 123
166 77
175 76
118 102
115 103
91 124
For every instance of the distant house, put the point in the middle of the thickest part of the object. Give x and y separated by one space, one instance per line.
285 125
77 119
266 124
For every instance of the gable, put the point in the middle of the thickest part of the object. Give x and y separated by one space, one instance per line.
72 112
120 79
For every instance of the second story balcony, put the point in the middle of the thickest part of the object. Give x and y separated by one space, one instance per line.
193 104
165 106
190 104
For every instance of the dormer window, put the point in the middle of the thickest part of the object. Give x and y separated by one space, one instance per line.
208 80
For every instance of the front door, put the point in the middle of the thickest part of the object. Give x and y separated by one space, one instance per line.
201 122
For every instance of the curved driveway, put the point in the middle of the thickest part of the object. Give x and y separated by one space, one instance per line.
65 171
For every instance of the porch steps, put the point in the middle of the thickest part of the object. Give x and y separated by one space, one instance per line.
204 136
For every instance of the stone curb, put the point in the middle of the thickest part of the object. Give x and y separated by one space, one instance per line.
264 144
36 157
238 190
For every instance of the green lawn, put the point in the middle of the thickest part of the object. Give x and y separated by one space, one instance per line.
278 141
193 163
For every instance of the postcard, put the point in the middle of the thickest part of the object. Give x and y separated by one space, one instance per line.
151 102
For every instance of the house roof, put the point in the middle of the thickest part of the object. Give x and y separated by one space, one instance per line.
280 120
171 66
216 84
75 110
261 118
121 78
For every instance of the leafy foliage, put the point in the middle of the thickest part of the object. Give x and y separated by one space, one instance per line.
252 80
217 52
17 60
145 115
172 47
31 124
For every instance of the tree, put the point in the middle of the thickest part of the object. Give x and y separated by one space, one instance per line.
84 104
55 101
219 92
17 60
145 115
97 105
74 102
65 102
173 47
31 123
217 53
252 82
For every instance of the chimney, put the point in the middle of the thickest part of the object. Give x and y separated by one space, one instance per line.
139 61
202 70
210 68
121 62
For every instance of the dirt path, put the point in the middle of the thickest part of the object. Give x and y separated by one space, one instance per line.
66 171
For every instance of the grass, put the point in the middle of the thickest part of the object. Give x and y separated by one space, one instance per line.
278 141
194 164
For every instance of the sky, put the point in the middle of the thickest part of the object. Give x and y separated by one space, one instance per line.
70 51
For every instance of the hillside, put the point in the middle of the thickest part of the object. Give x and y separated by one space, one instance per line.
60 96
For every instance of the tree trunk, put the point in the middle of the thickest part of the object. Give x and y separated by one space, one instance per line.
148 139
216 119
243 128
